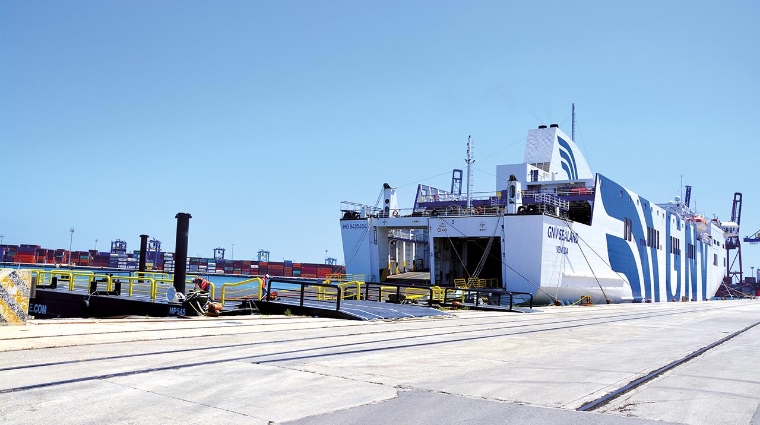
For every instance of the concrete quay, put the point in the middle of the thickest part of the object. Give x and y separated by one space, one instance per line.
474 367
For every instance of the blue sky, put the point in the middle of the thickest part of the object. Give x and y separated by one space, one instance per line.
259 118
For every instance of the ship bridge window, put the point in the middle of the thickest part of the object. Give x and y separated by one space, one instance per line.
715 259
653 238
627 231
690 252
675 246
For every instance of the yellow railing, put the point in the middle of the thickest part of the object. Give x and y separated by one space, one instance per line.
152 275
351 290
162 283
473 282
144 286
341 277
436 293
72 278
145 283
242 287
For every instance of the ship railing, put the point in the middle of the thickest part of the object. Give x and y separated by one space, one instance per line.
451 197
494 209
495 298
552 200
248 288
356 210
560 191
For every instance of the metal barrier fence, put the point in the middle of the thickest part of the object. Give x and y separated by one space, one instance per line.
473 282
303 290
342 277
391 292
473 295
139 284
242 287
349 290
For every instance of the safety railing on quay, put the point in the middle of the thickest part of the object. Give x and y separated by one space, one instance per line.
234 291
54 278
303 290
474 282
349 290
392 292
343 277
152 275
475 296
138 284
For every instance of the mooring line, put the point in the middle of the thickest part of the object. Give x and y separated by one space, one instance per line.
601 401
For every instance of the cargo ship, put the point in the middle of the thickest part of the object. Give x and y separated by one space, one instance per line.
551 228
118 258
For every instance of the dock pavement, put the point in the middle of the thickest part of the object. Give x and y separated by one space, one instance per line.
473 367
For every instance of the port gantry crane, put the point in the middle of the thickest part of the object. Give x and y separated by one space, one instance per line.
734 276
754 240
734 280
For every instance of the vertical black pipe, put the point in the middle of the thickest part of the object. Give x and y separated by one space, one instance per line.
180 251
143 251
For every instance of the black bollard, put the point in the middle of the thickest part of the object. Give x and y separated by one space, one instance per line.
180 251
143 250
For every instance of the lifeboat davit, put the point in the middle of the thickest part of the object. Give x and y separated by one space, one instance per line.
699 221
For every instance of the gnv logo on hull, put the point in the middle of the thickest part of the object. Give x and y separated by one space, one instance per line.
562 234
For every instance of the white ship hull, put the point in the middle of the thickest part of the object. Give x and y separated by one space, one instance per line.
559 240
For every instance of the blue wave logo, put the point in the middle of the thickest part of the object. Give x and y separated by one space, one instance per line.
568 159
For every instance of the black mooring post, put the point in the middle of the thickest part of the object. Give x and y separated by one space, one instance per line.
180 251
143 251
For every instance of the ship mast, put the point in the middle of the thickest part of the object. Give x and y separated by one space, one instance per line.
572 136
470 160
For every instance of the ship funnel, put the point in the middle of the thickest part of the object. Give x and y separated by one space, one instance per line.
554 126
514 195
390 204
541 127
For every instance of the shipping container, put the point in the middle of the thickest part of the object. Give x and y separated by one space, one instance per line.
276 270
